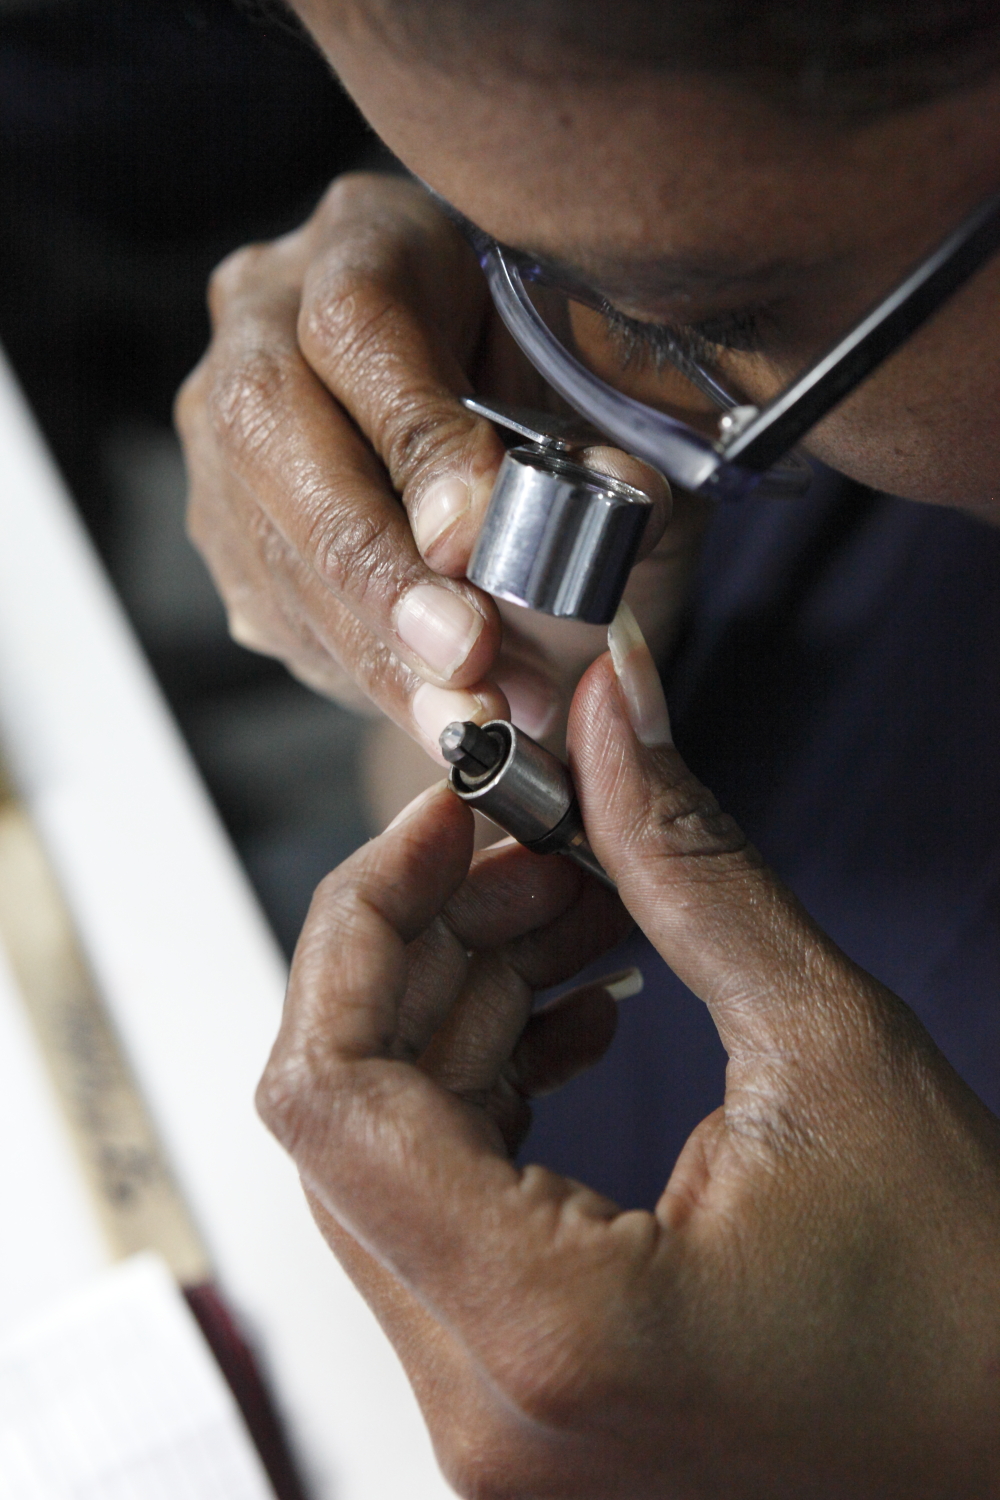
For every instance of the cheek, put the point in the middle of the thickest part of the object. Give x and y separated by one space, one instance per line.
925 425
914 432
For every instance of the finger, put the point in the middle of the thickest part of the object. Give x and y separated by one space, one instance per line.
570 1035
538 923
383 339
276 605
512 895
778 987
331 1080
439 963
381 324
470 1052
226 533
243 552
533 944
327 493
343 648
462 1014
471 1049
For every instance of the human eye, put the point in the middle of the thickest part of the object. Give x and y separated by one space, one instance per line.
741 331
679 344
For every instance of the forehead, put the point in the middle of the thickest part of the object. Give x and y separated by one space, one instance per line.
641 173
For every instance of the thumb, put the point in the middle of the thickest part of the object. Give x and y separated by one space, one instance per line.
724 922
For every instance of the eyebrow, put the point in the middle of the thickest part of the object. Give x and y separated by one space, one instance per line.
668 276
662 276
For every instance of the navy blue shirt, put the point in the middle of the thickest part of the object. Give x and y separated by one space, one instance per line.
838 687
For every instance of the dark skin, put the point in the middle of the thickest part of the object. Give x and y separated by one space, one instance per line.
375 310
813 1309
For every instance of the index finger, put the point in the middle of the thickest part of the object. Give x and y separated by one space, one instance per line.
382 326
391 314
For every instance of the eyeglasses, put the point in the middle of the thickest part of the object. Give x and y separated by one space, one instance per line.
752 450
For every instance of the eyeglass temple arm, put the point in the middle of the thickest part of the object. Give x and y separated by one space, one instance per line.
758 443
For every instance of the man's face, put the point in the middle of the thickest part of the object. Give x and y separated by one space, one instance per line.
690 204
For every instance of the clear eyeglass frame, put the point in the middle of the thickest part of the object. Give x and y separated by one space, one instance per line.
753 450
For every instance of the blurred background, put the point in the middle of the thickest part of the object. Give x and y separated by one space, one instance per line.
140 141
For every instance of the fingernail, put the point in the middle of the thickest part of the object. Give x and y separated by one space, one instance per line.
433 707
639 680
624 985
439 625
440 507
415 805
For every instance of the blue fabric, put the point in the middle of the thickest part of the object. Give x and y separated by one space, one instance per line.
838 688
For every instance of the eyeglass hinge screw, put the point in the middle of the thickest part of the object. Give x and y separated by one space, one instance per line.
738 420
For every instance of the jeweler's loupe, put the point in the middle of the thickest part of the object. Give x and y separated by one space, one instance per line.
558 536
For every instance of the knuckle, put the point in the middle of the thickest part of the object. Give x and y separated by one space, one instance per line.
685 821
348 551
246 398
274 552
353 323
282 1096
188 403
231 276
372 208
349 192
417 433
251 636
348 321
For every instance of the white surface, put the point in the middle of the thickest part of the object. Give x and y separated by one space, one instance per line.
188 968
51 1240
113 1393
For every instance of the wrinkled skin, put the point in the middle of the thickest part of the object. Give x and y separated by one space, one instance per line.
814 1308
374 317
329 392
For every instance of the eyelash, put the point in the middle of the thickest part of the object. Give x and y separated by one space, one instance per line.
694 345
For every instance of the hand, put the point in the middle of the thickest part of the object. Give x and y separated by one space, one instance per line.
813 1310
337 485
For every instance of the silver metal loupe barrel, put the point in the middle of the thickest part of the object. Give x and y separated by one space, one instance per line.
558 537
522 787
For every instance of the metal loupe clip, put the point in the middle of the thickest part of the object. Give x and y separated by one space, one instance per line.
558 537
521 787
